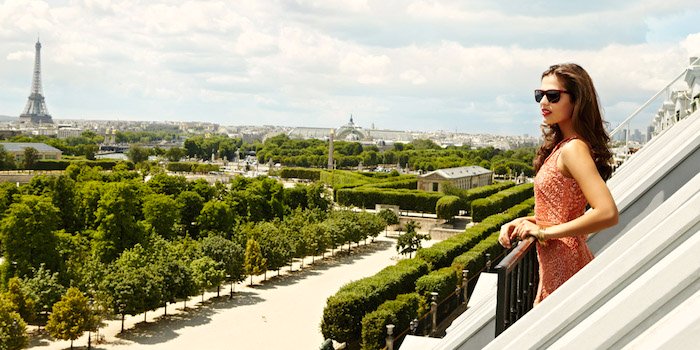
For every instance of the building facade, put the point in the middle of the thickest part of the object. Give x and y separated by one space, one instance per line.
462 177
16 149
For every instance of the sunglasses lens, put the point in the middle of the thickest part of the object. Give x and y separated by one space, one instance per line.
538 95
553 96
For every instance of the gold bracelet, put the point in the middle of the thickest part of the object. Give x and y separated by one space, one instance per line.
540 235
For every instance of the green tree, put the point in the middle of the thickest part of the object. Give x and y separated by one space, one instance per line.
207 273
133 283
227 253
27 234
6 160
160 212
31 156
138 154
20 300
255 264
410 241
71 317
44 287
389 217
117 215
13 329
216 216
174 154
167 184
191 205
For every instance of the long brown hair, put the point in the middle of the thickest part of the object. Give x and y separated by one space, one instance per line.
587 119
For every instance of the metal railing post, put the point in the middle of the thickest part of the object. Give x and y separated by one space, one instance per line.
465 285
433 311
390 337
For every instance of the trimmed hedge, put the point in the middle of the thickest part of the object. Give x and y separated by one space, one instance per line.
501 201
300 173
191 167
62 164
443 281
442 253
475 259
447 207
467 196
363 197
409 183
342 316
398 312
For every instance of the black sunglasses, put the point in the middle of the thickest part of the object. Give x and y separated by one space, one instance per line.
553 96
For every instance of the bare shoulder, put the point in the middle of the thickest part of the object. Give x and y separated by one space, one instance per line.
576 159
576 149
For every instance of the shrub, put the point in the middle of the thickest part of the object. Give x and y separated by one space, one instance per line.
342 316
447 207
300 173
443 281
398 312
367 197
442 253
467 196
499 202
475 259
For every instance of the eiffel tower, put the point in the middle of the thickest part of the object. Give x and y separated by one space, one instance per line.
35 112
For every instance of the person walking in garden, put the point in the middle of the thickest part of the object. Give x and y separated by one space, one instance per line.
571 168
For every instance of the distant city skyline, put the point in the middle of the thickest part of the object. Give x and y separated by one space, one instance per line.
418 65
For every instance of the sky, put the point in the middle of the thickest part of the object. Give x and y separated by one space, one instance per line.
465 66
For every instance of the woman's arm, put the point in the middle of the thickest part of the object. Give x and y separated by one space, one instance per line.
575 161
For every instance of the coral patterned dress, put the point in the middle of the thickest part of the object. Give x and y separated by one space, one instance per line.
558 199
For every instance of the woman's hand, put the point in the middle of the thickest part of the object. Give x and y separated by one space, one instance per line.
508 232
526 228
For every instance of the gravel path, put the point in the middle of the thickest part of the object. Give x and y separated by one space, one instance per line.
281 313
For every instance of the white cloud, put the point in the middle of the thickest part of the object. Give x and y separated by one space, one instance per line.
424 64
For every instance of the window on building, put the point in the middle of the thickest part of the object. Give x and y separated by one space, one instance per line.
435 186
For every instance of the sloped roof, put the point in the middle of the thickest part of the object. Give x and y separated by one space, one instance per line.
457 173
20 146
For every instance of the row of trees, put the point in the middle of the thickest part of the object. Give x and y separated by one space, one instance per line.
133 246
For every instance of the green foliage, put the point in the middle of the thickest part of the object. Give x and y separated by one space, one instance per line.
474 260
255 264
228 254
44 288
133 283
443 281
118 212
13 335
363 197
342 316
216 216
27 234
411 240
71 316
207 273
501 201
160 213
389 217
31 156
447 207
191 167
167 184
399 312
301 173
442 253
138 154
20 301
190 204
203 147
467 196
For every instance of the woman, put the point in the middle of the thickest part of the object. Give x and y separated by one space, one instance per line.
571 168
